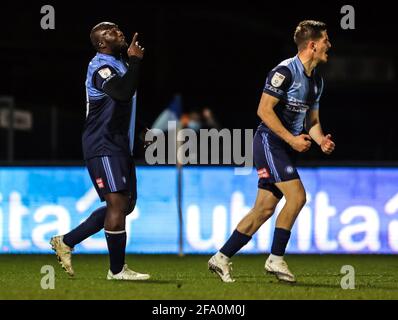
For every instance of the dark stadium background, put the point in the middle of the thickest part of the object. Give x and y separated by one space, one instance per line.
214 54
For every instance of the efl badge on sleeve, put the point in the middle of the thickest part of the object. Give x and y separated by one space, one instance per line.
277 79
105 73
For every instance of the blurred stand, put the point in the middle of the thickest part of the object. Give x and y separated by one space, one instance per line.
174 116
209 121
14 123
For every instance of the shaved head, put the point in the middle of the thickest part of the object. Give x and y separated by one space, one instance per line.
95 34
106 37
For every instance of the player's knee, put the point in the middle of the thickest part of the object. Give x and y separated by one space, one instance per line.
263 212
298 200
301 199
265 215
114 222
114 226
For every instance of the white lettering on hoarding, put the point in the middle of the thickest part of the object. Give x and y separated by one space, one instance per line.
323 212
1 223
391 208
304 227
219 228
356 229
16 214
60 226
369 227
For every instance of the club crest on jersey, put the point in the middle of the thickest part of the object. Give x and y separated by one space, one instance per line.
100 183
277 79
105 73
263 173
289 169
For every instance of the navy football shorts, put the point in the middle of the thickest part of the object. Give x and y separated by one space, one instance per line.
113 174
274 160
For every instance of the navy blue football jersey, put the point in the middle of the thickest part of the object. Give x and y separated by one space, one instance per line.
109 123
298 93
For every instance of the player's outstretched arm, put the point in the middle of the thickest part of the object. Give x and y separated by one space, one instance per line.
316 132
267 114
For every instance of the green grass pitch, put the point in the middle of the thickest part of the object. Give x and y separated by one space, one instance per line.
185 278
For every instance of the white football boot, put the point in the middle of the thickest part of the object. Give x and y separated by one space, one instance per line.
279 268
63 253
221 268
127 274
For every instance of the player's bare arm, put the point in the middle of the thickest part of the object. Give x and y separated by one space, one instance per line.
316 132
265 111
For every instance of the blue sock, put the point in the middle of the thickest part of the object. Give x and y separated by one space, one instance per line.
116 241
93 224
235 242
281 238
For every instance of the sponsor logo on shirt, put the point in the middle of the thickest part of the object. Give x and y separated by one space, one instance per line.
100 183
263 173
289 169
271 88
298 109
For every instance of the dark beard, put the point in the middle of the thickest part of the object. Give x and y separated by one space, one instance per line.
123 52
120 50
124 47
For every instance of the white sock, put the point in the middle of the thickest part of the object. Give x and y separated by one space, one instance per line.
275 258
221 257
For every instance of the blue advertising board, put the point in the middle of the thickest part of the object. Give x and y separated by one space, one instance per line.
348 210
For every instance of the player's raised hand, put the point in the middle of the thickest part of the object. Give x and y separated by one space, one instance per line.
135 49
301 143
327 145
